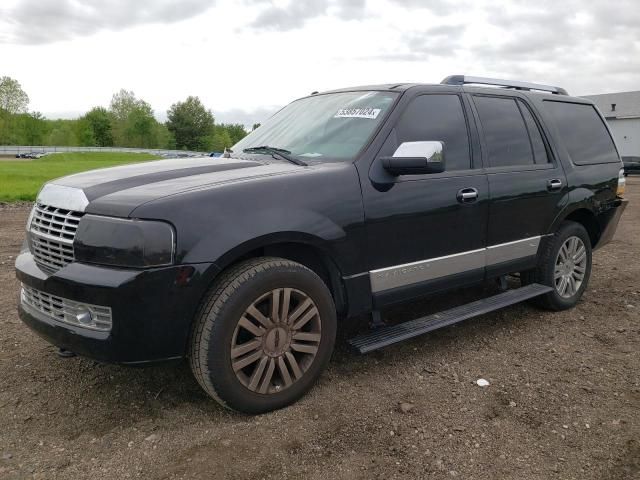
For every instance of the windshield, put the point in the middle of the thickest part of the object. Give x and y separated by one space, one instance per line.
331 126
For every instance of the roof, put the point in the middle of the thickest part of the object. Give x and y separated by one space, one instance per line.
398 87
627 104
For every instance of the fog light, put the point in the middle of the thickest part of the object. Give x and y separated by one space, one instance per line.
84 317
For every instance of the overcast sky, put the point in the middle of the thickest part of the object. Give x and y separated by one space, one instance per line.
245 58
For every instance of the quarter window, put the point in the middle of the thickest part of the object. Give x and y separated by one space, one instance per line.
539 150
438 118
505 132
583 133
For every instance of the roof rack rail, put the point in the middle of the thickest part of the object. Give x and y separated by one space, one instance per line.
466 79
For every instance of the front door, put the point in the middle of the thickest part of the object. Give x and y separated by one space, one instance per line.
426 232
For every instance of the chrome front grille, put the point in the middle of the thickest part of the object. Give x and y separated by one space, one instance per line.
94 317
52 232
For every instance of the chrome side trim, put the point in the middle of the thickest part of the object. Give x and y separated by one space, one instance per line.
401 275
432 268
351 277
59 196
505 252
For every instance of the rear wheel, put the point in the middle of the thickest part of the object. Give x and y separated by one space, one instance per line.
264 335
564 263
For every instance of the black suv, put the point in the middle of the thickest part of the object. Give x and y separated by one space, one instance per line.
340 204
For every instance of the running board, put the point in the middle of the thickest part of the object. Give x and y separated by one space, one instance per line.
385 336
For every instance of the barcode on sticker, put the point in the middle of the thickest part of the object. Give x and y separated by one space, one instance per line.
371 113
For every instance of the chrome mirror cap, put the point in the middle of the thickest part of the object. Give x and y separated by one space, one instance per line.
431 150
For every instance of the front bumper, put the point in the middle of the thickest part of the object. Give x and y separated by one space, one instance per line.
152 310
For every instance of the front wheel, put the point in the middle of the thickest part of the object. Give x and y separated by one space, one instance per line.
564 263
264 335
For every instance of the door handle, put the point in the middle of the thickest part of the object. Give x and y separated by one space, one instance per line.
467 195
555 184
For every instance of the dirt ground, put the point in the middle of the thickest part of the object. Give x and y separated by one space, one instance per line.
563 400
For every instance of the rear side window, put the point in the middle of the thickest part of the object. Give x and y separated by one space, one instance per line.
583 133
505 132
438 118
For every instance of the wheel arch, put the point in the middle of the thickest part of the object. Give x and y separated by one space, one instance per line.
584 216
297 247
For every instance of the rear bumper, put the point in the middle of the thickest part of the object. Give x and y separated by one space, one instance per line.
152 310
609 222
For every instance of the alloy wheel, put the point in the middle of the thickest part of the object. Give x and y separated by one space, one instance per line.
276 340
571 266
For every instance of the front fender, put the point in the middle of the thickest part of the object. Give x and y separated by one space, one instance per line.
320 206
261 228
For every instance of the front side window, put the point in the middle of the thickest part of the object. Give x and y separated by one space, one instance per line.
437 118
334 126
505 132
583 133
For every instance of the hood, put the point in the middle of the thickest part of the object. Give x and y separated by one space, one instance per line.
119 190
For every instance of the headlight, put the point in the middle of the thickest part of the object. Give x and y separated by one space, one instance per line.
124 243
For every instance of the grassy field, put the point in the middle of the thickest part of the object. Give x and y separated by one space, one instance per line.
21 180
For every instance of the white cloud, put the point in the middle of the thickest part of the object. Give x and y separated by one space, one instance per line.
256 55
44 21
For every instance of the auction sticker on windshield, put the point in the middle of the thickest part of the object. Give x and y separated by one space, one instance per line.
370 113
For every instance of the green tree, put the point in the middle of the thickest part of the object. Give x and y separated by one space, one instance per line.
62 134
83 132
32 128
219 140
255 125
164 138
122 103
12 98
133 123
99 121
236 131
190 123
140 127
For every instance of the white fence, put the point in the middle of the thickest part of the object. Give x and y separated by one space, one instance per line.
18 149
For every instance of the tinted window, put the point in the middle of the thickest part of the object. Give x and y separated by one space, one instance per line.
583 133
438 117
539 150
504 132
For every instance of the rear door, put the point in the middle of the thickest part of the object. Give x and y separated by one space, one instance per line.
526 183
422 235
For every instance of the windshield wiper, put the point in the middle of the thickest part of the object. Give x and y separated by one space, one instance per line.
281 152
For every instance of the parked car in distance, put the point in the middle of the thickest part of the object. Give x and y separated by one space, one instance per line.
31 155
339 205
631 165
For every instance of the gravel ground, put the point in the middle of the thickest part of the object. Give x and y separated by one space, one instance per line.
563 400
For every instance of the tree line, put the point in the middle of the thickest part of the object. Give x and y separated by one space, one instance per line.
127 122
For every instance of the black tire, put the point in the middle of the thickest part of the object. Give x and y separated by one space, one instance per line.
218 318
545 270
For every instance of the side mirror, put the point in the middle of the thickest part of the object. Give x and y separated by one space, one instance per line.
415 158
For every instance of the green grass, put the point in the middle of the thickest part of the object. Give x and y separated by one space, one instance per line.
22 179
